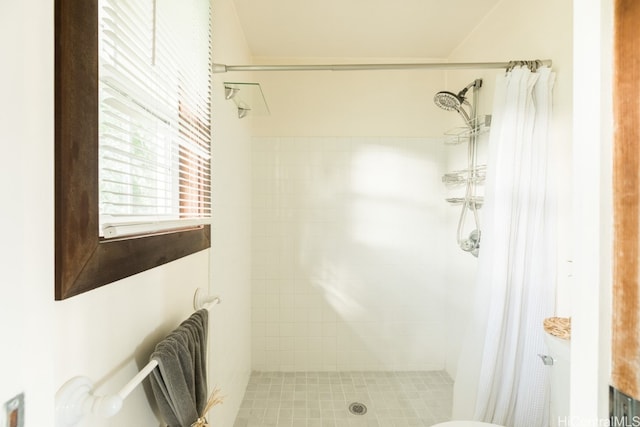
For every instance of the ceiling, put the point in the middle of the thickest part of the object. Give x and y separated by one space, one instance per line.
359 28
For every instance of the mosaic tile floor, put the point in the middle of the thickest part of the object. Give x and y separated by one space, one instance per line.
322 399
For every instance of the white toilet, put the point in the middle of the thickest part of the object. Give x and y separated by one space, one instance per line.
558 356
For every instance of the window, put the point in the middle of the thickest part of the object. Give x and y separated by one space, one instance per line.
132 139
154 112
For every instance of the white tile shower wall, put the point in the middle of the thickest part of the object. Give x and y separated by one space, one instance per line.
347 255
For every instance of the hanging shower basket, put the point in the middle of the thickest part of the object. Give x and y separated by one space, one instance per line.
477 126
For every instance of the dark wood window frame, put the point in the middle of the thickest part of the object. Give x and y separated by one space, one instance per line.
84 261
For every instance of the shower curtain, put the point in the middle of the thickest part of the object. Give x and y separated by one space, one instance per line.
515 284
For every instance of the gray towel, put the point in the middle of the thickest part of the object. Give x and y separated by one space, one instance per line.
179 383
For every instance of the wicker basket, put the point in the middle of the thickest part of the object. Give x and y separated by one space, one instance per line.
558 327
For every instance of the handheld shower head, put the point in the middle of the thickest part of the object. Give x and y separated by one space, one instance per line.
448 101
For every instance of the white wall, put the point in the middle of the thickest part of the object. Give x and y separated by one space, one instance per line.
348 202
26 189
348 268
230 361
518 29
350 103
108 333
593 212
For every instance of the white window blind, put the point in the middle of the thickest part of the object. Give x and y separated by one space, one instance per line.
155 115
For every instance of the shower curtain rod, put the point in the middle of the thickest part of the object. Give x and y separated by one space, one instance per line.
222 68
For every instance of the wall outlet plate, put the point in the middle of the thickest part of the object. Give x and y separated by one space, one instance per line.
14 411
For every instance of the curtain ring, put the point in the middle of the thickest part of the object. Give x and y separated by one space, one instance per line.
534 66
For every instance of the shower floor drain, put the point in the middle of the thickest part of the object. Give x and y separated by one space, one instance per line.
357 408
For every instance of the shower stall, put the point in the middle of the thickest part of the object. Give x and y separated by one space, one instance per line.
357 270
351 314
348 302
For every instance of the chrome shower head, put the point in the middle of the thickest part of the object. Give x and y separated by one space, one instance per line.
448 101
453 102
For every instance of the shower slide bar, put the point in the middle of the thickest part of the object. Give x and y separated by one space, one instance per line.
532 64
75 398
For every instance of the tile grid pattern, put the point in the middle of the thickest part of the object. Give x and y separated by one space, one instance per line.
321 399
347 260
